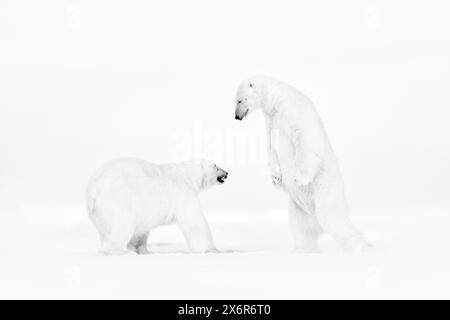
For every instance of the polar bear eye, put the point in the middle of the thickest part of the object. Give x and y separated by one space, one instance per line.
251 85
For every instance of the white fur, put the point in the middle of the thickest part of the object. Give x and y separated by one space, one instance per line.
127 198
301 162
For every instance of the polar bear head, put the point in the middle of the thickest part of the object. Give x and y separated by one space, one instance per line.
250 96
211 174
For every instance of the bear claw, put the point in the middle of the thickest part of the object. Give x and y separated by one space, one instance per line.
276 181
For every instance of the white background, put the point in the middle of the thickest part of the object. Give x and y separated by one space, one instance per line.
82 82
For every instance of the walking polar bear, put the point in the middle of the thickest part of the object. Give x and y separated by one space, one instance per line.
301 162
127 198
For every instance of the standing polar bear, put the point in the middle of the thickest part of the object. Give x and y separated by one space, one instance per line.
301 162
127 198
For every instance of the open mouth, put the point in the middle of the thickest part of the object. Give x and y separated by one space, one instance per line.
222 179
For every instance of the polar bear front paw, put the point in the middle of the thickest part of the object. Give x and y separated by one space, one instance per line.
276 181
275 174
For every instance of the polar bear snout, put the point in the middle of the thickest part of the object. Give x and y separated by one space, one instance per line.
240 112
222 176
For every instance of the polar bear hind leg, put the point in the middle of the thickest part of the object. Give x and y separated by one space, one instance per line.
138 244
115 237
334 219
305 229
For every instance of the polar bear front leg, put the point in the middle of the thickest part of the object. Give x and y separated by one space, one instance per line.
333 217
273 164
275 173
305 229
195 228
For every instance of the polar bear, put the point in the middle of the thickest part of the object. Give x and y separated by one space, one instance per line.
301 162
126 198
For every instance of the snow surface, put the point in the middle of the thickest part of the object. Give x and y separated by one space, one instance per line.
83 82
49 251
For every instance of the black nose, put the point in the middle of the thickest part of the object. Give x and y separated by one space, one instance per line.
239 101
237 117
